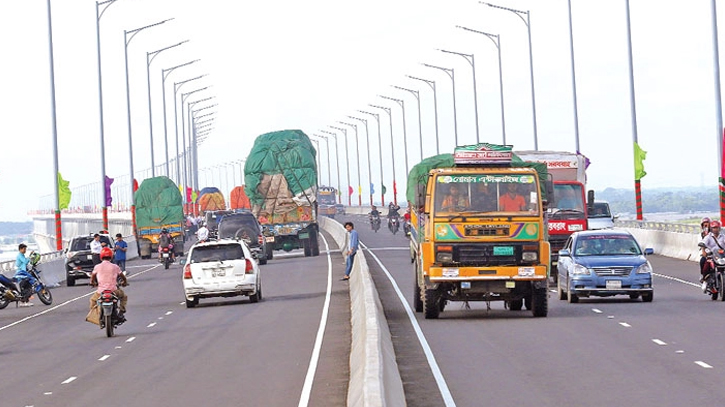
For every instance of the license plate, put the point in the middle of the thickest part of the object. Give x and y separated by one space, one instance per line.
465 284
511 284
503 251
614 284
165 255
527 271
218 273
303 235
269 239
90 257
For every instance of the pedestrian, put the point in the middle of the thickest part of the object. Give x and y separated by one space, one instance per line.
96 247
354 242
119 255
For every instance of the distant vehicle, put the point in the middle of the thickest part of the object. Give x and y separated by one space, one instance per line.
604 263
326 201
211 220
340 209
245 226
78 258
600 217
223 268
158 206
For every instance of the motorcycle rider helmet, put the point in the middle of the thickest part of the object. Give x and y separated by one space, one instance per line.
715 224
106 253
34 258
704 220
164 230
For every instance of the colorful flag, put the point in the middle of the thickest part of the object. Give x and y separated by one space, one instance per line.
372 188
135 185
188 194
639 156
349 190
385 190
63 192
395 188
194 195
109 199
359 190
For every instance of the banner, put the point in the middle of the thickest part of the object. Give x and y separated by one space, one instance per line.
63 192
109 199
639 156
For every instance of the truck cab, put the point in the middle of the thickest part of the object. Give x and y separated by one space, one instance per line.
600 216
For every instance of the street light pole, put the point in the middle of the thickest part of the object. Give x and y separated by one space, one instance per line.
405 132
380 148
367 140
149 59
177 85
573 81
187 173
718 107
317 157
527 21
633 112
357 153
347 162
420 127
496 39
432 85
54 130
452 74
392 150
472 62
194 143
327 150
337 158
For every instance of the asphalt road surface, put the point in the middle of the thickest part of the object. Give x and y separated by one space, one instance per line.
601 351
224 352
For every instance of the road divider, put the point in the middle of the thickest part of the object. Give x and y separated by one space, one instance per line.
374 375
679 245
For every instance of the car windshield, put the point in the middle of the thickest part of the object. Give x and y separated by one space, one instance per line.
242 227
476 193
607 245
600 210
219 252
84 243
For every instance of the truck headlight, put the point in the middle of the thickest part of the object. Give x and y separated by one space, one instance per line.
444 257
529 256
646 268
578 269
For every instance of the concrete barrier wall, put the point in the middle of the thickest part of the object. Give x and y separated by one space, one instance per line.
671 244
374 375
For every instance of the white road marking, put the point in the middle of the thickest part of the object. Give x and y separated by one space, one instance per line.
679 351
131 339
29 317
703 364
659 342
307 387
104 357
182 303
68 380
626 325
118 347
48 393
169 312
151 325
435 369
161 317
377 249
610 316
598 311
679 280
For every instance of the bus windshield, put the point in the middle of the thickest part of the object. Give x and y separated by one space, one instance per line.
481 193
326 198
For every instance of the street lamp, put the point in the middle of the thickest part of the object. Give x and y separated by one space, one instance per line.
357 151
527 21
149 59
54 130
337 158
347 162
380 148
187 174
420 127
405 132
452 74
392 150
126 42
472 62
573 81
194 144
496 39
432 85
99 14
177 85
367 139
718 102
633 112
327 145
317 157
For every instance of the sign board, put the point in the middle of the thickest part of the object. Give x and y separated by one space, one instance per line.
483 153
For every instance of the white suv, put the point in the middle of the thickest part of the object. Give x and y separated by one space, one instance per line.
222 268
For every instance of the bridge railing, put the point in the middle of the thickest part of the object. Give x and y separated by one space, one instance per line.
9 265
661 226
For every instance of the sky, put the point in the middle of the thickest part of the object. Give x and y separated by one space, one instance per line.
285 64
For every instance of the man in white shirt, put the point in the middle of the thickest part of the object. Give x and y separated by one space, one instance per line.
202 234
96 247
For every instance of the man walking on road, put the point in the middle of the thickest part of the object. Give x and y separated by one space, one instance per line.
96 247
119 255
352 248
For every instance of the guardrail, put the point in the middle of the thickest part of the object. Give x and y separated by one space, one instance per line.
44 257
661 226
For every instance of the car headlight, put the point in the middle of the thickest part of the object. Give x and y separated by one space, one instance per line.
529 256
646 268
578 269
720 261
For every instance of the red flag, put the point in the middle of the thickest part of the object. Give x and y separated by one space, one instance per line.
349 190
188 194
135 185
395 188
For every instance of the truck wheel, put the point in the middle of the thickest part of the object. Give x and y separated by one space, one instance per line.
70 281
431 306
306 247
417 302
540 302
270 253
515 305
315 246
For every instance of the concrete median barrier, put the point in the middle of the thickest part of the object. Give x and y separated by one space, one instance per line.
374 375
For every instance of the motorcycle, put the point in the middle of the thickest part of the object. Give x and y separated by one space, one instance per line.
375 223
165 257
26 289
715 279
394 224
108 305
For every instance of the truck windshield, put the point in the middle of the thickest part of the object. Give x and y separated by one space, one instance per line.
478 193
568 197
327 199
600 210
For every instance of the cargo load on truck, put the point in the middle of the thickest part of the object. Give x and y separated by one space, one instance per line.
211 201
159 205
281 183
239 199
478 230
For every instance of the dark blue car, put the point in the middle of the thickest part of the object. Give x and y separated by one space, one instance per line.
604 263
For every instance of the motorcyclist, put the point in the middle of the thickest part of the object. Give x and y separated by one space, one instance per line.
22 276
166 240
705 230
374 212
392 213
105 276
714 241
406 223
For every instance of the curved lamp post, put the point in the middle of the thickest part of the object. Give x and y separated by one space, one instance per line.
187 174
420 128
405 132
392 150
432 85
347 162
357 153
327 145
337 158
472 62
177 85
380 149
451 74
367 138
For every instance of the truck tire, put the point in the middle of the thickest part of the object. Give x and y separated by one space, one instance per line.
417 302
431 306
516 305
315 246
306 247
540 302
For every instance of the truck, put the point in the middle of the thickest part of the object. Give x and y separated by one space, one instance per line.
327 201
158 206
477 230
281 183
567 209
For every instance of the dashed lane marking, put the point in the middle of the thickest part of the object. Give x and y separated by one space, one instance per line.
626 325
169 312
151 325
598 311
679 280
104 357
131 339
68 380
703 364
659 342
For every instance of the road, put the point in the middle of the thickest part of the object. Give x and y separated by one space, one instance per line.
665 353
224 352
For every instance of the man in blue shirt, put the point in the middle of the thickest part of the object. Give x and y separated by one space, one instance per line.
25 279
119 250
352 249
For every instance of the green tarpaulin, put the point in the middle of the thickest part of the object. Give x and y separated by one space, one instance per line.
158 202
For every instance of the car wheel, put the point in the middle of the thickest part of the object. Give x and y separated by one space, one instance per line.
192 303
648 296
254 297
540 302
560 292
431 307
315 246
306 247
515 305
571 297
262 259
633 296
270 253
70 281
721 286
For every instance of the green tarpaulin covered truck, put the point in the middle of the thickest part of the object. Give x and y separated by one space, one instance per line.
158 206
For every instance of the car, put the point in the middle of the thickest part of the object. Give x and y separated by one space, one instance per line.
220 268
211 220
604 263
78 259
600 217
244 225
340 209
